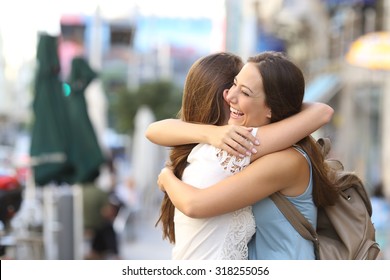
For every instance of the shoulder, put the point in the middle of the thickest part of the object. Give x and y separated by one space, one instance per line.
289 164
294 167
289 157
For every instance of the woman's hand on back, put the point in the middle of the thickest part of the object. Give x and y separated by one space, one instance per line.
164 173
234 139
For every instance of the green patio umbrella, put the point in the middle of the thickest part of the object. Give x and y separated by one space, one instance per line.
85 153
50 129
64 147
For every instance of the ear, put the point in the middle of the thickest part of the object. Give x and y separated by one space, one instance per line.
225 93
269 113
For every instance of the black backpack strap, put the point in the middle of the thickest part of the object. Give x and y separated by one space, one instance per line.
296 219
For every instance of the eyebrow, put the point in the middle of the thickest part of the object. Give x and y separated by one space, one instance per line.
235 80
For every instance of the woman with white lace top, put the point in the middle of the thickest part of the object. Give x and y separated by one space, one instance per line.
222 236
268 89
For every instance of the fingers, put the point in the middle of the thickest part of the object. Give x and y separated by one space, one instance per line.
160 179
234 151
247 137
242 142
159 184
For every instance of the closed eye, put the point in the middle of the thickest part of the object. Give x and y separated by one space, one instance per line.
242 87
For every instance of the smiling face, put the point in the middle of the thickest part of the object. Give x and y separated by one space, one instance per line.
247 98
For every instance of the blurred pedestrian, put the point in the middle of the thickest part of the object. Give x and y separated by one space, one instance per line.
104 244
100 207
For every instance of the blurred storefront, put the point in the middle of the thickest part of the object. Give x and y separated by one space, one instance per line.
128 48
317 35
367 101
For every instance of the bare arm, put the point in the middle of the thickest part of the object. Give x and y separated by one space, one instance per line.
237 191
173 132
282 134
275 136
233 139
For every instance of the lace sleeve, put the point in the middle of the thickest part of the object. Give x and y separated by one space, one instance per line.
230 163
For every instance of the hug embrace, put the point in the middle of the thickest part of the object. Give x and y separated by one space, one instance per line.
243 134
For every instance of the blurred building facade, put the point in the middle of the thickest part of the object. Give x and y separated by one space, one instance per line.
317 35
130 48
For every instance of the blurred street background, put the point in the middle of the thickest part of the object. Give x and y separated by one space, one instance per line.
80 81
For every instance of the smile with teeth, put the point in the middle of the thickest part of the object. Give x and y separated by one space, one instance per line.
235 112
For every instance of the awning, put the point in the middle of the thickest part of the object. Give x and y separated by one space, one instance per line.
323 88
371 51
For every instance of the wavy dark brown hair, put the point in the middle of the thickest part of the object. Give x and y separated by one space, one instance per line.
284 88
202 102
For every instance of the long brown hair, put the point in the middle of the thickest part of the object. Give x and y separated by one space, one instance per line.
202 102
284 87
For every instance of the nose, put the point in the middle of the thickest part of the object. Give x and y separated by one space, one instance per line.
231 95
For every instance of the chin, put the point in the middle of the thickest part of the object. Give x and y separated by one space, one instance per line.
235 122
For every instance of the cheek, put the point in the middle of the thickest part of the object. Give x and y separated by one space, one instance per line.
258 113
254 108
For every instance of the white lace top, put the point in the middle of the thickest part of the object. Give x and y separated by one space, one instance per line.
222 237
